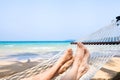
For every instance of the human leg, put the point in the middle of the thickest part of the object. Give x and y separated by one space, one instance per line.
72 74
84 65
50 73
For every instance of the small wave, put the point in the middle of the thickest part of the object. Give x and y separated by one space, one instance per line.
8 45
42 48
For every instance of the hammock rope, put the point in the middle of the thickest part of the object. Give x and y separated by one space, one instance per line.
103 45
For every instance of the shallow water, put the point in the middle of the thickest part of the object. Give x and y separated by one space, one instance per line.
22 50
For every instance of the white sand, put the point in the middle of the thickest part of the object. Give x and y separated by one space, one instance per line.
108 71
8 68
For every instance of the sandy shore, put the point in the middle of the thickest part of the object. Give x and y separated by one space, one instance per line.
108 71
8 68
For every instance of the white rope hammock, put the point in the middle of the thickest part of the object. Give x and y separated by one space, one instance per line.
99 53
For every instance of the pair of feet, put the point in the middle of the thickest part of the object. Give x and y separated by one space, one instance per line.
78 62
79 65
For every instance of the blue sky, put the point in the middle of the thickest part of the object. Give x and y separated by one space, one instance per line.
54 19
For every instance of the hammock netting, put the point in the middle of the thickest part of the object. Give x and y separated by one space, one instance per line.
102 45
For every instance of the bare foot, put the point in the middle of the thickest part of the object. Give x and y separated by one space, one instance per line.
65 57
84 67
65 66
50 73
72 74
79 54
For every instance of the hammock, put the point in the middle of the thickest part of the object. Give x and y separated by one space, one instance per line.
103 45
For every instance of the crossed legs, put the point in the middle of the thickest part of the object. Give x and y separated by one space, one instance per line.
78 62
80 65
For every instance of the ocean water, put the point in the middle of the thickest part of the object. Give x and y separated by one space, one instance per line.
23 50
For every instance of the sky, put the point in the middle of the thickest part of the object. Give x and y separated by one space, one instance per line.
45 20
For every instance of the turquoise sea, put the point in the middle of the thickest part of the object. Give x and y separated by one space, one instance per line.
23 50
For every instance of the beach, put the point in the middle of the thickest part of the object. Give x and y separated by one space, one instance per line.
8 68
108 71
16 57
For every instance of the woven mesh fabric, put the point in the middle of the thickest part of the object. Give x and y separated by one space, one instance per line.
99 54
